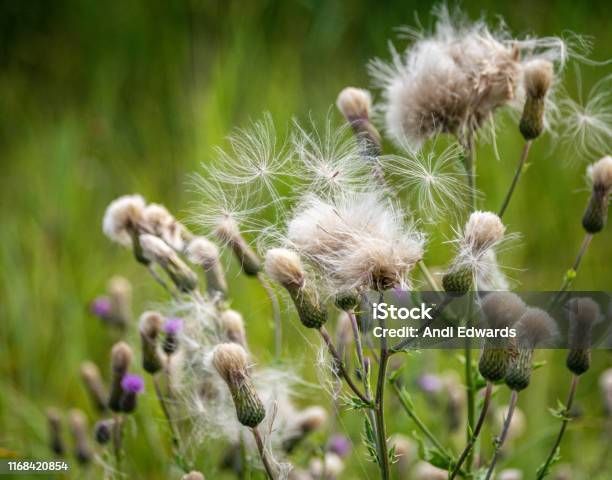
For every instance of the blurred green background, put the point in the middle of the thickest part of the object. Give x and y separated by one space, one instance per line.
105 98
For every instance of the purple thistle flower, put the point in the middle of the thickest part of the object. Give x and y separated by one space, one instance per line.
340 445
430 383
173 325
132 383
101 307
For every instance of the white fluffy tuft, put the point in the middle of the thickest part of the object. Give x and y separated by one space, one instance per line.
123 214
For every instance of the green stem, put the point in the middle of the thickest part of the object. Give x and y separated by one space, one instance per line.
571 274
502 438
515 179
469 382
380 405
553 452
262 454
472 440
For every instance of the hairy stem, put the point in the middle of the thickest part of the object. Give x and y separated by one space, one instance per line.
568 406
262 454
515 179
278 333
502 437
380 404
469 385
339 365
472 440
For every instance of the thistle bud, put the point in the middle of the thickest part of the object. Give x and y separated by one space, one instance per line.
305 422
131 385
230 361
103 430
501 309
583 314
233 327
347 300
284 266
172 328
193 475
355 105
538 77
533 328
121 357
56 442
90 374
204 253
458 281
150 326
228 232
78 426
596 214
158 251
120 296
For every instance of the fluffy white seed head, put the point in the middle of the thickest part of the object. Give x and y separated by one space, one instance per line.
358 240
285 267
538 76
122 215
354 103
155 249
203 252
535 327
231 362
483 230
600 173
502 309
584 311
233 326
160 222
121 357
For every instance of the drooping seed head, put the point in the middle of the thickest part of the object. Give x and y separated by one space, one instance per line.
203 252
534 328
605 384
600 174
233 327
483 230
160 222
122 217
583 313
285 267
354 103
156 250
502 309
78 426
538 77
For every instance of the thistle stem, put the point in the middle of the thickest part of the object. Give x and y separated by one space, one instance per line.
380 404
339 364
500 441
469 385
359 349
571 274
515 179
418 422
262 453
472 440
278 333
117 439
570 400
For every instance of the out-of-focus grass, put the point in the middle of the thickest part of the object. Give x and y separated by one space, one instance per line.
100 100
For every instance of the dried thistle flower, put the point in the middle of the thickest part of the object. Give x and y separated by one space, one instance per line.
124 218
54 421
78 426
538 78
160 222
355 105
172 327
358 240
121 357
150 327
533 328
120 295
131 385
103 430
90 374
500 309
230 361
583 313
154 249
302 425
205 253
596 214
193 475
482 233
233 327
229 233
285 267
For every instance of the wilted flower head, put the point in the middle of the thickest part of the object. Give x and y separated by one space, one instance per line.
583 313
285 267
78 426
156 250
124 217
538 77
359 240
354 103
233 326
600 174
121 357
205 253
596 214
161 222
502 309
534 328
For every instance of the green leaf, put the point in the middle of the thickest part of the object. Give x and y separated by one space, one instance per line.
544 470
570 274
560 412
356 403
369 439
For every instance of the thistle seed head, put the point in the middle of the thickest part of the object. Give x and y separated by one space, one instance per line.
122 217
56 441
534 328
203 252
230 361
583 314
150 327
354 103
90 374
193 475
121 357
502 309
311 309
458 281
483 230
233 326
228 232
154 249
600 174
285 267
120 295
78 426
538 77
160 222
